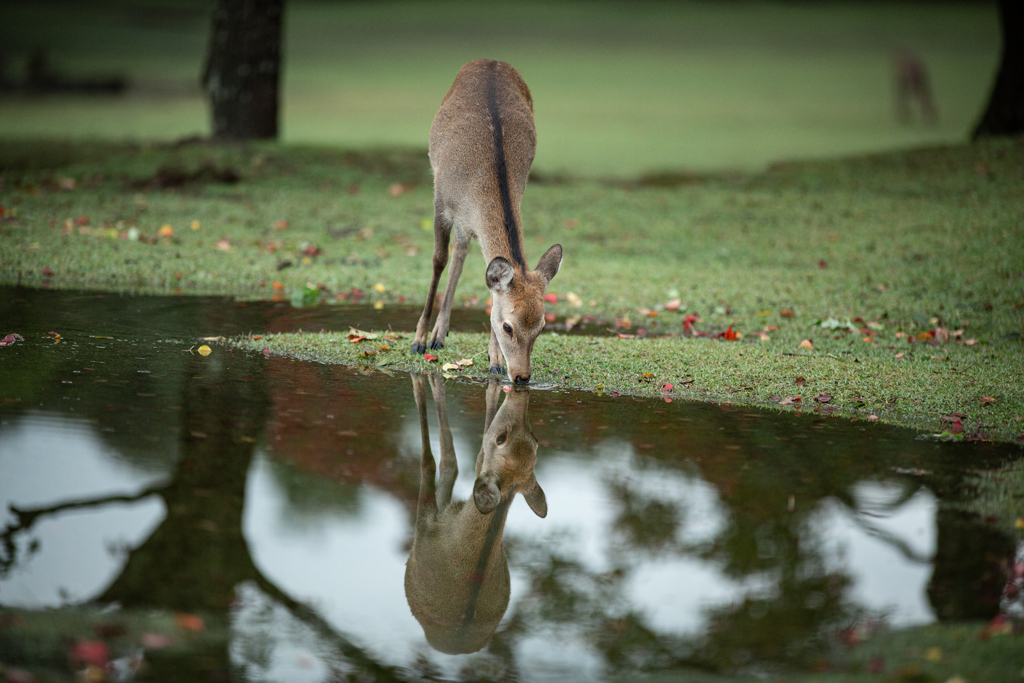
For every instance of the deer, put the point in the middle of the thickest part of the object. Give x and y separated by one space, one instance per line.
482 145
456 578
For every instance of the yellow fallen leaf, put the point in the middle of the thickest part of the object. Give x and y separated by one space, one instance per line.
377 305
194 225
204 350
1019 524
933 654
165 231
450 366
379 287
574 299
306 260
465 361
427 223
806 344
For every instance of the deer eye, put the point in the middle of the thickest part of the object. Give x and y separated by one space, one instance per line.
507 328
501 439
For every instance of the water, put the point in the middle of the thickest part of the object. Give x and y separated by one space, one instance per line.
143 487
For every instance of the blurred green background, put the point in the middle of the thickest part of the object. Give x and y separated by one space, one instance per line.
619 88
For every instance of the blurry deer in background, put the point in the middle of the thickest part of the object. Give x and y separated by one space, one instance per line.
912 83
482 144
456 579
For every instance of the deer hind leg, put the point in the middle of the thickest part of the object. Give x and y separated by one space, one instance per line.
426 507
442 232
449 464
495 356
454 272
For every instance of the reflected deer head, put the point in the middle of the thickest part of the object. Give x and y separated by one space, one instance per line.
456 579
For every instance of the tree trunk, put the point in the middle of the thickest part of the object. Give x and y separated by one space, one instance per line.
1005 112
243 68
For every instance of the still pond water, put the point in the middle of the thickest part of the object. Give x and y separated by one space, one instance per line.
269 507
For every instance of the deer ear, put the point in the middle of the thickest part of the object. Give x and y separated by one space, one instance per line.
499 274
536 499
486 495
549 263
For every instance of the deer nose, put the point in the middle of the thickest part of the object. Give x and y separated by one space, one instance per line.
522 380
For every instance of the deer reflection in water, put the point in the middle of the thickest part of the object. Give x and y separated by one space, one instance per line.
456 579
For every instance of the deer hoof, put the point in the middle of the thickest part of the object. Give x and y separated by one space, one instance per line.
419 349
497 370
435 345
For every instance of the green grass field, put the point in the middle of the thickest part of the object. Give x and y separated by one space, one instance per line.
620 88
865 252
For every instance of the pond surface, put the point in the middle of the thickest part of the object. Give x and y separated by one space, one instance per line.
236 516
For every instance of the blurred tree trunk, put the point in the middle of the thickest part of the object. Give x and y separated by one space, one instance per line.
1005 112
243 68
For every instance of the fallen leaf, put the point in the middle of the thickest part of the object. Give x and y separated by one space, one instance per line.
356 339
872 417
985 400
823 398
156 641
430 358
266 352
673 305
189 622
787 313
551 298
900 355
399 188
800 381
311 251
807 344
451 366
549 317
204 350
574 299
194 225
729 335
625 336
165 231
224 244
280 225
465 361
790 400
10 339
94 652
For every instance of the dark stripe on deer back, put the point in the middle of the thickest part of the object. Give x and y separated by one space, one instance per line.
511 229
493 531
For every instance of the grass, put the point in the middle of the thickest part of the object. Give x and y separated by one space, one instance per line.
908 242
620 88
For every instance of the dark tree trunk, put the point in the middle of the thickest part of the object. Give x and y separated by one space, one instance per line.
1005 112
243 68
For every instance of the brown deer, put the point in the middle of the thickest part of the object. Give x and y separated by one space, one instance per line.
482 144
456 579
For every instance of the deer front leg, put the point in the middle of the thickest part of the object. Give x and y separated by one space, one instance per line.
454 271
442 231
426 507
495 356
449 465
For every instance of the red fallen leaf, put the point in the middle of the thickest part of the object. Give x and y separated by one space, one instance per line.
688 322
258 336
787 313
729 335
626 336
900 355
957 427
311 251
82 220
10 339
771 328
189 622
926 335
47 271
985 400
94 652
549 317
1 209
352 339
280 225
430 358
822 264
667 387
266 352
506 388
551 298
